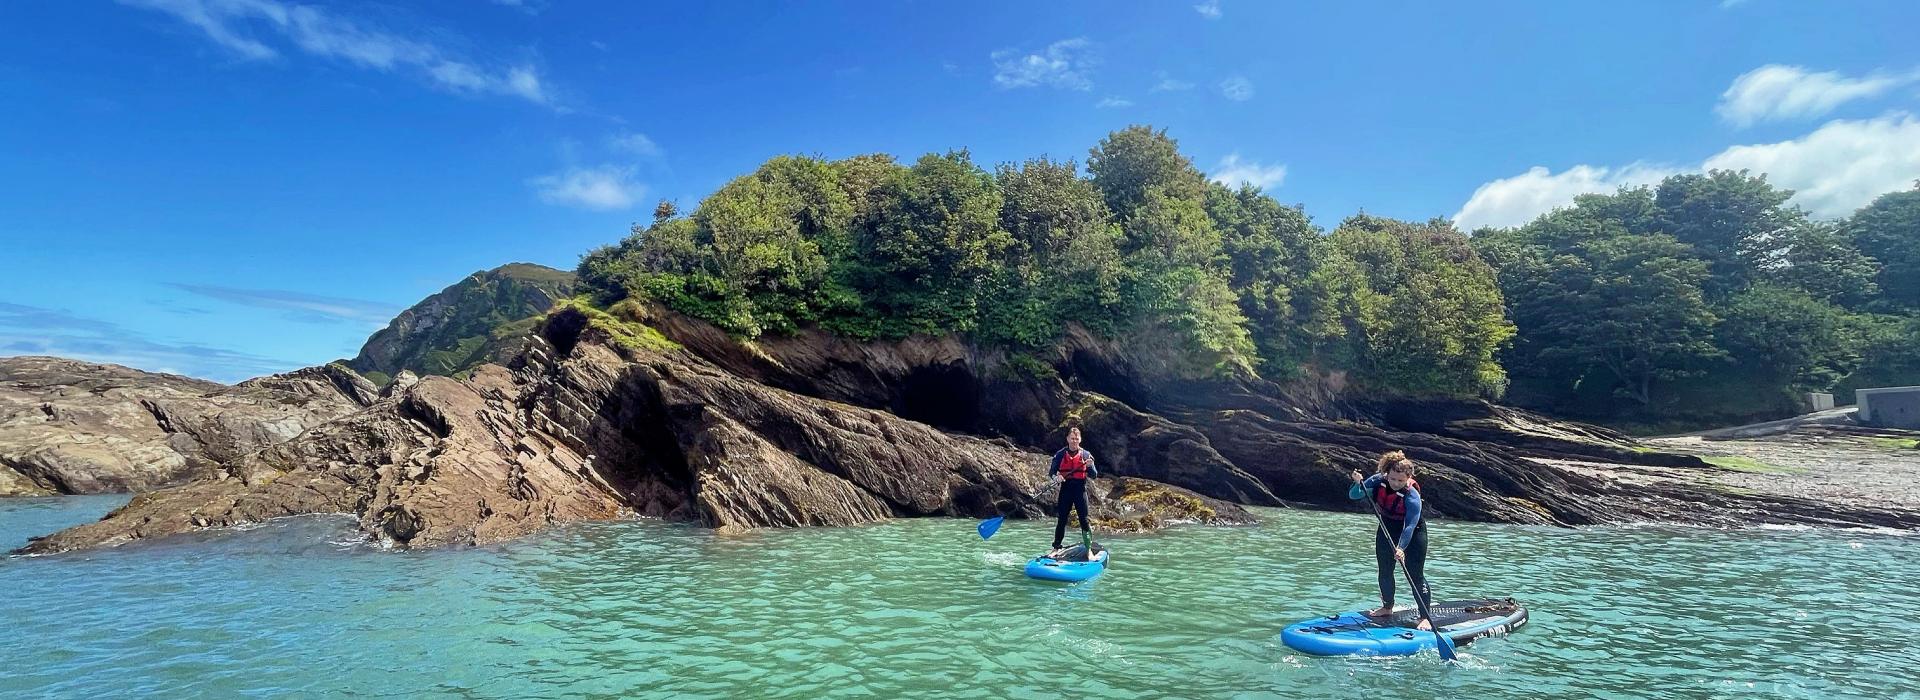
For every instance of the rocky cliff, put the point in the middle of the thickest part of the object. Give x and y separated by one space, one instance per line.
70 427
1251 441
588 425
651 414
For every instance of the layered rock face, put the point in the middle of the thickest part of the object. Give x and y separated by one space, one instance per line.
1256 442
70 427
586 429
597 420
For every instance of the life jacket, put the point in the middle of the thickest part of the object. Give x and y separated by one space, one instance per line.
1074 466
1392 504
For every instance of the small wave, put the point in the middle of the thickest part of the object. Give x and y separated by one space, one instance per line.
352 541
1869 530
1004 559
1767 527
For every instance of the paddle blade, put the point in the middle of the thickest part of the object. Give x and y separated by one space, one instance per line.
1444 645
990 526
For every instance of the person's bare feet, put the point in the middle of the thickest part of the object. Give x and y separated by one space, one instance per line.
1382 611
1424 625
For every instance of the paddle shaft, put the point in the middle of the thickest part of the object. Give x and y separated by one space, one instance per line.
1441 643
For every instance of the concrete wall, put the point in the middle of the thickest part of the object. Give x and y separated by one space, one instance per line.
1819 402
1890 407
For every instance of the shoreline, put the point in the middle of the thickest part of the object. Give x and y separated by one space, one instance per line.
1260 514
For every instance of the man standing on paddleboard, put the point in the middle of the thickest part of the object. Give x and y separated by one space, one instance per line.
1397 497
1072 466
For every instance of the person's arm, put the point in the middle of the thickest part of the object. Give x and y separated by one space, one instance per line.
1413 518
1359 491
1091 471
1055 467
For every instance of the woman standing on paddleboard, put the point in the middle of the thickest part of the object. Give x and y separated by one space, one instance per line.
1397 497
1071 468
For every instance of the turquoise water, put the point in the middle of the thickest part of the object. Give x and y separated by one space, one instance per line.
924 608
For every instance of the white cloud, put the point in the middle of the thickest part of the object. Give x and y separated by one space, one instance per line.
1776 92
1113 102
1836 169
1234 172
300 306
1516 200
606 187
1209 9
1168 84
28 330
233 23
1063 64
1839 167
635 143
1237 88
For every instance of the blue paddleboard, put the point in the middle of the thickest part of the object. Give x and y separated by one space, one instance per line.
1353 633
1066 568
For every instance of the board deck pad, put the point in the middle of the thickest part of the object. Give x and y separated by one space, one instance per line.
1078 552
1355 633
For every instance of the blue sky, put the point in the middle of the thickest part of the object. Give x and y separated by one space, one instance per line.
227 188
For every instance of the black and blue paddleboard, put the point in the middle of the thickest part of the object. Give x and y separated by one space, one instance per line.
1355 634
1073 565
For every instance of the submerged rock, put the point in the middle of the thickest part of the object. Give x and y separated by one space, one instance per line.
1140 505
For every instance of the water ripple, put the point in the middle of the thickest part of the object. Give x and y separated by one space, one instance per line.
925 608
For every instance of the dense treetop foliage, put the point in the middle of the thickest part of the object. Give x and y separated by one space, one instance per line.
1707 297
1647 303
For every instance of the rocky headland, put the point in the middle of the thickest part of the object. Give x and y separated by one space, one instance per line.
599 415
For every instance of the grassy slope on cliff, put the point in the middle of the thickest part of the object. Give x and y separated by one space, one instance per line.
479 319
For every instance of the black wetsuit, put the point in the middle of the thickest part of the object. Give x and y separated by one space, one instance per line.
1415 543
1416 561
1073 494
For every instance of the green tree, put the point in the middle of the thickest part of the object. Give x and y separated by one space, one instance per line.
1177 272
765 234
1167 232
1590 288
1273 253
1426 314
1731 219
1888 230
1787 336
1046 207
929 246
1889 351
1063 263
1817 258
861 178
1131 162
1629 303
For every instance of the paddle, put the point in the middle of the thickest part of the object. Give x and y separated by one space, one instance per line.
1441 642
992 525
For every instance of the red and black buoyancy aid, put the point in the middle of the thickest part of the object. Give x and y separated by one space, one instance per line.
1392 504
1074 465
